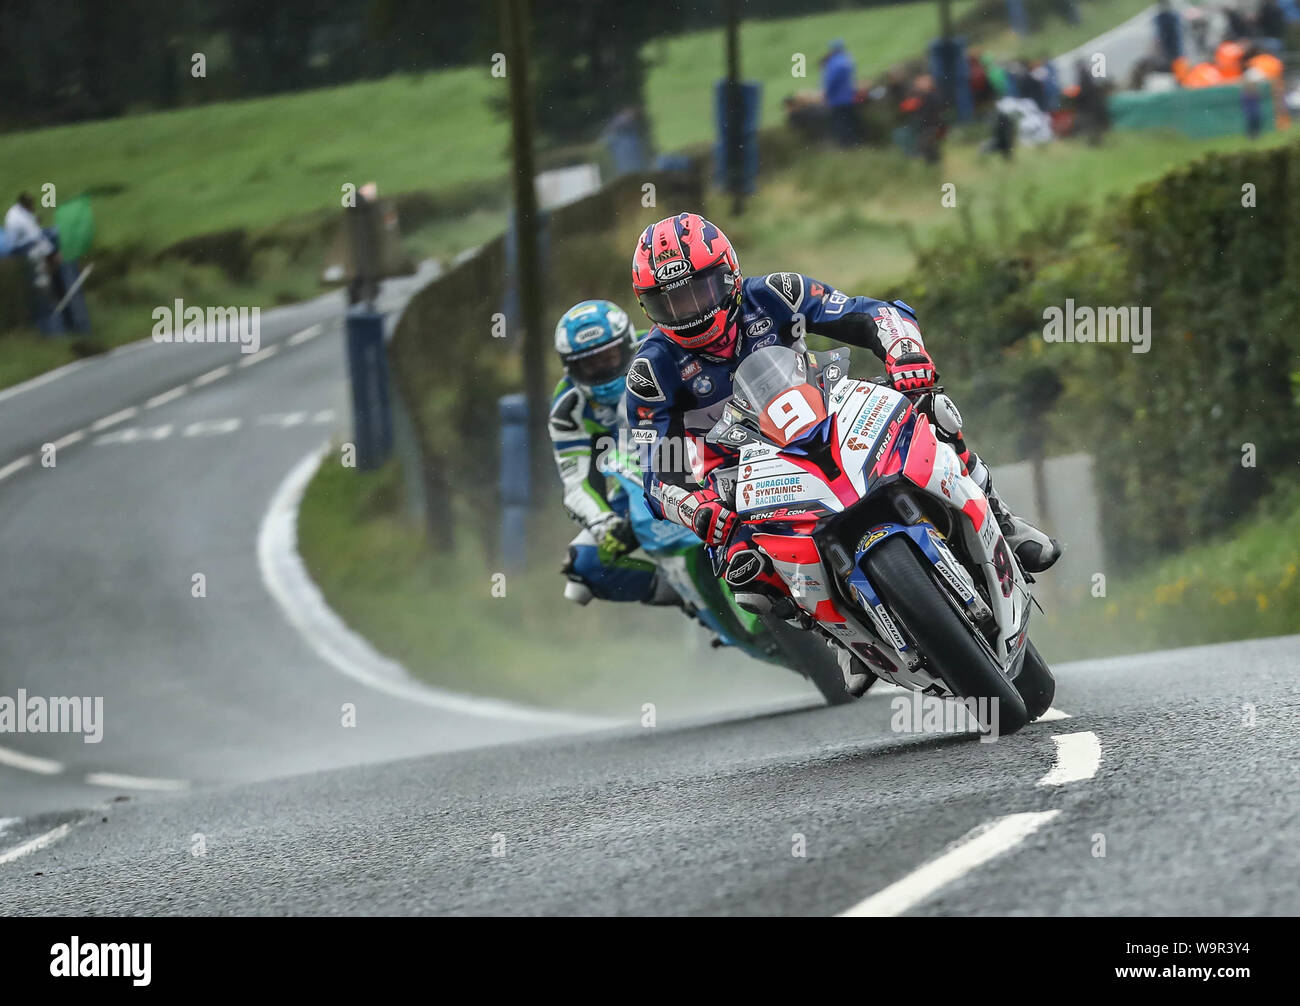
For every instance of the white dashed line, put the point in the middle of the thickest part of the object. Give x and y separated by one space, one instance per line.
114 419
69 440
114 780
29 763
1052 714
304 335
35 844
268 352
210 427
976 848
165 397
1077 757
15 465
210 376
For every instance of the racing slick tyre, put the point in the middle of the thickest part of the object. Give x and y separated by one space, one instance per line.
806 654
947 641
1035 683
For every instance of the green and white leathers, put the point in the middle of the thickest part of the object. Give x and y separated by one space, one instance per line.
584 432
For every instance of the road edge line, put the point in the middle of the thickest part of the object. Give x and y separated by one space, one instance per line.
304 607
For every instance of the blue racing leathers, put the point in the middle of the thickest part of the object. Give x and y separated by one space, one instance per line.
674 396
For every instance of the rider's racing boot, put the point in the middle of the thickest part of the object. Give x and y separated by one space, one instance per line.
1036 551
754 583
856 675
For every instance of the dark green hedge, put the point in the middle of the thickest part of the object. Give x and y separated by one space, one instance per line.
1167 428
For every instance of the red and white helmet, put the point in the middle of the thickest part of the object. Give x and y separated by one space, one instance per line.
687 277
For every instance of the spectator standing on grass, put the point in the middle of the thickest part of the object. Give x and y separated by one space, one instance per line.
1236 24
1092 110
1169 33
840 91
25 235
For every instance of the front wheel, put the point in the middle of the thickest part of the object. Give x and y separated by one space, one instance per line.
946 639
1035 683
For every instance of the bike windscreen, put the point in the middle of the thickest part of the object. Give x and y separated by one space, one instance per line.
774 383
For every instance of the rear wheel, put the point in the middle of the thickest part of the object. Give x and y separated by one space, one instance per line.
1035 683
945 638
806 653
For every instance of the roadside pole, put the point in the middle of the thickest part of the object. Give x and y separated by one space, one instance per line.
515 27
735 164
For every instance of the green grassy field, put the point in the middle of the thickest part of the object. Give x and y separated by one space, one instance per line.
853 218
1240 585
158 178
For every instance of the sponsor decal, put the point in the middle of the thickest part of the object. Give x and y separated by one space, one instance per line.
764 342
782 513
737 435
890 628
585 335
831 374
645 412
665 255
644 436
815 289
954 581
788 286
870 538
702 385
582 312
641 381
671 270
804 582
835 302
749 470
757 328
987 532
743 567
690 370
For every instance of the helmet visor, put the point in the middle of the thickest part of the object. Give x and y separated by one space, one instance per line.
603 364
685 303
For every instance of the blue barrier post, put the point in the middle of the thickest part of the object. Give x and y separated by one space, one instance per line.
372 413
751 98
514 483
949 67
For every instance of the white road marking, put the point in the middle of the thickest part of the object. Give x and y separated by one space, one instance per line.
210 376
15 465
114 419
115 780
45 378
973 850
35 844
1077 757
132 434
69 440
282 419
165 397
307 333
306 610
258 357
1052 714
29 763
210 427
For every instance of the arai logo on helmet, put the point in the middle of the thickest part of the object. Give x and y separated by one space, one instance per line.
671 270
585 335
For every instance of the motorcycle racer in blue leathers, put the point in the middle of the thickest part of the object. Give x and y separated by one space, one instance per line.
596 341
707 319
